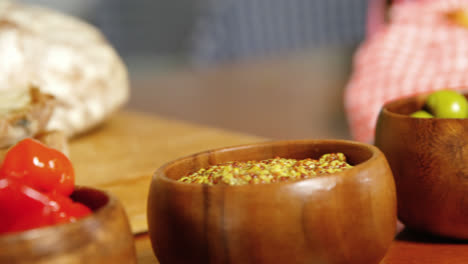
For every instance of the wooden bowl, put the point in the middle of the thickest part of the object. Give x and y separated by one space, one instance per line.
103 237
346 217
429 160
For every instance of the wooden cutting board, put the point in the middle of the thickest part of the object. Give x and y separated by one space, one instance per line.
121 155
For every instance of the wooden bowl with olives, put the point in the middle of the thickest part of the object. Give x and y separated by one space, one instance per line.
429 160
347 216
102 237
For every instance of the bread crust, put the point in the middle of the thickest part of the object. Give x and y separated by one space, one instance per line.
27 121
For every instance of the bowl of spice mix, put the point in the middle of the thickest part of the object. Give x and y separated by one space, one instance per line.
301 201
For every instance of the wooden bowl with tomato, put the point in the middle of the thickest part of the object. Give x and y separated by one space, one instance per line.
428 155
344 217
46 219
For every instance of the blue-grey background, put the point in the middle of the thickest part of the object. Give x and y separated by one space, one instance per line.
210 32
162 42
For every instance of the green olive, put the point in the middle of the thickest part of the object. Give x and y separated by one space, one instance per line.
447 104
421 114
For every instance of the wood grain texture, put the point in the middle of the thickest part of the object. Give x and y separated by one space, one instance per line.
408 248
144 250
348 217
103 237
412 247
122 154
429 160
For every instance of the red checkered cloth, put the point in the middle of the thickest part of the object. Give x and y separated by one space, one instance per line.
419 50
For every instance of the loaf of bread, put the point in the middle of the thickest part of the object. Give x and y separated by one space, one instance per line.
63 57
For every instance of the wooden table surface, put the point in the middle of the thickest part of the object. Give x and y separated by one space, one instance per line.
121 155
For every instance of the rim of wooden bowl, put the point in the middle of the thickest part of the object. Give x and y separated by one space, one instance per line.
413 99
416 100
65 228
374 154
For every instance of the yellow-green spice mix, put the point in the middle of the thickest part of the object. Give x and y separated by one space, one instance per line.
268 171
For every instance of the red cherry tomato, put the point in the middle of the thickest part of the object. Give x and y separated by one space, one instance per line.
22 207
35 182
40 167
65 210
